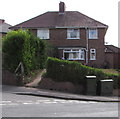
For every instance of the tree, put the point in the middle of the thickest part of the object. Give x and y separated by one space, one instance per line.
23 46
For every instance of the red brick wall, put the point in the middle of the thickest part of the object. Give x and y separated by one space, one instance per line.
98 44
116 60
8 78
113 60
34 31
109 58
58 37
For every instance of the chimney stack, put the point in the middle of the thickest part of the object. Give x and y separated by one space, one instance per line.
61 8
2 21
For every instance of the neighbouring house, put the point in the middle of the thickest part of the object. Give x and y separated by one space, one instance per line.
4 28
112 56
76 36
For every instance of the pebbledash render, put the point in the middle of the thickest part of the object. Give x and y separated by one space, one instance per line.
76 36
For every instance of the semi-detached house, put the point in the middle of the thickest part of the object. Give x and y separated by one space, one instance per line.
76 36
4 28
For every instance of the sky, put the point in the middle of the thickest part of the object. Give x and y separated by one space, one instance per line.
105 11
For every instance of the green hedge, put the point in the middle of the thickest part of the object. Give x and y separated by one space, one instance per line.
116 79
23 46
63 70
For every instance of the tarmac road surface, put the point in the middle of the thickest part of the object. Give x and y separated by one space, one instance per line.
33 106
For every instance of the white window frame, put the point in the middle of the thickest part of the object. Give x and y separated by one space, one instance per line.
72 31
43 33
81 54
93 34
92 51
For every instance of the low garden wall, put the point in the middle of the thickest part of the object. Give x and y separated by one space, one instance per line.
9 78
48 83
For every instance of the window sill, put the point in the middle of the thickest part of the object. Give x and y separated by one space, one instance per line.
92 59
93 38
75 59
44 39
73 38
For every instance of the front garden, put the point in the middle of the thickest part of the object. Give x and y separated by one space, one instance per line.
23 47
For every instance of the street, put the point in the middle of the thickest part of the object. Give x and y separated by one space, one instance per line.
33 106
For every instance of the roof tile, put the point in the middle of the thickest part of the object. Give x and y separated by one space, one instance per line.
54 19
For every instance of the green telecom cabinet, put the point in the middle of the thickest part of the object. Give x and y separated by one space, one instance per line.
90 85
106 87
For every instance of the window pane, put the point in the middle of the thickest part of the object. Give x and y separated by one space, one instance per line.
66 56
92 54
82 54
73 33
70 55
43 33
93 34
74 54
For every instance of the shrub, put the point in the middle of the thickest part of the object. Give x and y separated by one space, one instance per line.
12 49
62 70
23 46
116 79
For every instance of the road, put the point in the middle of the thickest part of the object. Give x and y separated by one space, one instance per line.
32 106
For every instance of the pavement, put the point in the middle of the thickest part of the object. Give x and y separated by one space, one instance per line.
56 94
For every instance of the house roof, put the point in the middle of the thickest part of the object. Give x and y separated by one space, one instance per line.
112 49
4 27
70 19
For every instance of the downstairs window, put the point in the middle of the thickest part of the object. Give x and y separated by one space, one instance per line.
74 54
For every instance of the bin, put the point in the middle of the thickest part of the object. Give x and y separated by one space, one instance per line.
90 85
105 87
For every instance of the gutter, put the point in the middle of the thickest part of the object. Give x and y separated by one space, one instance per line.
57 27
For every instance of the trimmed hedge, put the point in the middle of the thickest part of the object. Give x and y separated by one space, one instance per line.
63 70
116 79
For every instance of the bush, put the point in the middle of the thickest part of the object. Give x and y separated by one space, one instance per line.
23 46
116 80
62 70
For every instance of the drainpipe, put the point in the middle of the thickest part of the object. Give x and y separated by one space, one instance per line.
87 45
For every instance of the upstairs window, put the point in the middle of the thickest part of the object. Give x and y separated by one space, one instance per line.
73 34
43 33
93 34
92 54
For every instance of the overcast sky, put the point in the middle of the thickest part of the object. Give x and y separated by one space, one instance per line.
105 11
